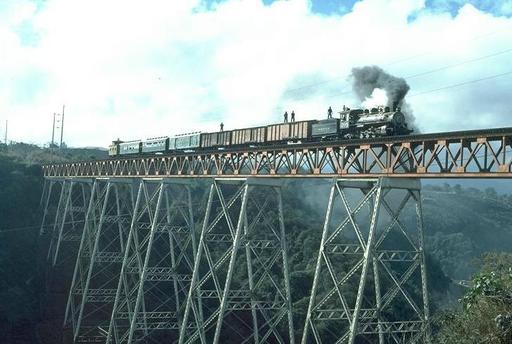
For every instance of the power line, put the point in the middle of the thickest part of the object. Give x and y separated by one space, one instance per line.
335 94
462 84
62 126
290 90
460 63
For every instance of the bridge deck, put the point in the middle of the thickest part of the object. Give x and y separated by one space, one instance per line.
462 154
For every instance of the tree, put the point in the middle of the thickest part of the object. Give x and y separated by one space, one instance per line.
491 193
486 315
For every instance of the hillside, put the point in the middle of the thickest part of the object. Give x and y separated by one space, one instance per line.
33 155
462 224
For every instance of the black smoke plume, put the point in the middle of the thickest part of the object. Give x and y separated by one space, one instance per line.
366 79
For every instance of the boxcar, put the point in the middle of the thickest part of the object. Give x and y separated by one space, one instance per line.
185 141
220 138
158 144
326 127
248 135
289 131
132 147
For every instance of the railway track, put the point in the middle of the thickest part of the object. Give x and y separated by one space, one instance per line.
470 153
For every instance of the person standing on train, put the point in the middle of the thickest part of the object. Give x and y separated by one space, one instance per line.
329 112
293 116
286 117
221 126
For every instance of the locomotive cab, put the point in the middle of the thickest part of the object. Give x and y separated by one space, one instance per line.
349 117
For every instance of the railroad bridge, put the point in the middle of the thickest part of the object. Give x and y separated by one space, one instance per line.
191 247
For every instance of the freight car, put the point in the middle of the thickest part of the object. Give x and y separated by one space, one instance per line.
352 123
293 131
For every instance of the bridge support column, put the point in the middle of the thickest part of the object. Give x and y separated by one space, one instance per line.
69 220
100 255
49 188
157 265
240 287
372 243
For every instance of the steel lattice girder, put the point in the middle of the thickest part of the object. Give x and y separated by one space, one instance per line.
94 283
484 153
260 244
157 264
366 240
240 216
69 218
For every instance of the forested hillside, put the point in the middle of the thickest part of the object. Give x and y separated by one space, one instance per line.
461 225
21 251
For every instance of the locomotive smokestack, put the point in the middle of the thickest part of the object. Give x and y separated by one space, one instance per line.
368 78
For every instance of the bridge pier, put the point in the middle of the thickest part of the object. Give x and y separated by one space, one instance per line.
100 254
140 276
370 247
157 264
68 220
240 285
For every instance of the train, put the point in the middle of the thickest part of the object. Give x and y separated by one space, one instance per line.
350 124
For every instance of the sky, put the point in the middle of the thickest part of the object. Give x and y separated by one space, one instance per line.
136 69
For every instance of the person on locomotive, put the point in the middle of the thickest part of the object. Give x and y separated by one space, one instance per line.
286 117
293 116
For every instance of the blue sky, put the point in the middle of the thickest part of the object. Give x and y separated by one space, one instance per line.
338 7
133 71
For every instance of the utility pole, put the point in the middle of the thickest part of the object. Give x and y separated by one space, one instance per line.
6 126
53 130
62 126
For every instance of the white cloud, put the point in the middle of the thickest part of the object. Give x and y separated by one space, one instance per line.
132 70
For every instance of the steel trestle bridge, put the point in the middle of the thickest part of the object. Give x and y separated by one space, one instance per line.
192 248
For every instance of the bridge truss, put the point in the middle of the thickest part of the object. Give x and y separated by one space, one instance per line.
147 271
192 247
475 154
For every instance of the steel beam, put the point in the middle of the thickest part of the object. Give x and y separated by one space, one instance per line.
157 264
243 227
96 273
372 234
68 220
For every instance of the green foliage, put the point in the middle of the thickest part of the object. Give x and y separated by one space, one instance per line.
20 188
486 315
21 280
31 154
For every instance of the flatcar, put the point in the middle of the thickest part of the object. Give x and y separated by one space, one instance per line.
352 123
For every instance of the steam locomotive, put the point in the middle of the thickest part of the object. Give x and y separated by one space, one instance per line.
351 124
